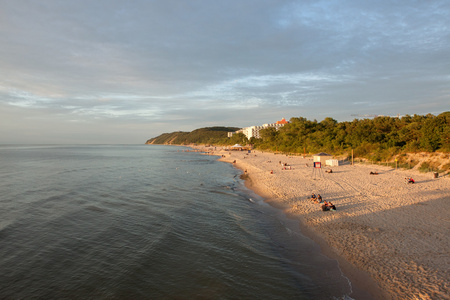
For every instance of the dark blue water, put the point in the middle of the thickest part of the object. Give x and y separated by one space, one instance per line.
147 222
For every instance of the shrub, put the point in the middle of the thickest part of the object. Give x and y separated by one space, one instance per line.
428 166
445 167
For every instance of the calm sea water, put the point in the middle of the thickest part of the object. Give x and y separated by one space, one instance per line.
147 222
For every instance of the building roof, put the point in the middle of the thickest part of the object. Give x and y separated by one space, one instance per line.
283 121
322 154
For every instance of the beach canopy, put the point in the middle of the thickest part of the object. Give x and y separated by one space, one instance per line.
322 154
236 146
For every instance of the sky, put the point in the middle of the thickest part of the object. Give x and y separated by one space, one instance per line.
122 72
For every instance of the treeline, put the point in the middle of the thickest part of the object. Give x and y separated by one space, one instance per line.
376 139
208 135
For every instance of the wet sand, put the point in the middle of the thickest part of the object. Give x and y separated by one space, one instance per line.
391 238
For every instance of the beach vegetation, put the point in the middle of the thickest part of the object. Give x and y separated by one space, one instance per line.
445 167
426 167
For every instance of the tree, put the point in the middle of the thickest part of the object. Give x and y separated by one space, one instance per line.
239 138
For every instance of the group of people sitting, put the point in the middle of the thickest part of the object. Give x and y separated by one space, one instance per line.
285 166
326 205
316 199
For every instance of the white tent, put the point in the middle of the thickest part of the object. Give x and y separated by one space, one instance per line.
236 146
332 162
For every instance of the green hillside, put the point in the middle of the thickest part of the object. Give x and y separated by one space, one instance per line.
207 135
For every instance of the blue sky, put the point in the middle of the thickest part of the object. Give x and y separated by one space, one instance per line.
125 71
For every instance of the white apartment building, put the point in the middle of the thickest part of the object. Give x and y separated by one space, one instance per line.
253 131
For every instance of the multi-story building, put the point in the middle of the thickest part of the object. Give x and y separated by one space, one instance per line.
253 131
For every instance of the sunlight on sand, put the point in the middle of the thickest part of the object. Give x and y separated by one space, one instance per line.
397 232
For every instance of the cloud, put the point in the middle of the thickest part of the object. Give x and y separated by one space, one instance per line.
184 64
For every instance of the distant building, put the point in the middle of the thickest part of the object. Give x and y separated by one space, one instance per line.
253 131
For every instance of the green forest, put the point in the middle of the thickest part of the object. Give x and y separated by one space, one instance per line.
376 139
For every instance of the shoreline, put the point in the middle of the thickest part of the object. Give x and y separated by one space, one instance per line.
363 286
389 238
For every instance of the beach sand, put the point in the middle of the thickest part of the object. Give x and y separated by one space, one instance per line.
390 238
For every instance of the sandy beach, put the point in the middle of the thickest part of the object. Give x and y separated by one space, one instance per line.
390 237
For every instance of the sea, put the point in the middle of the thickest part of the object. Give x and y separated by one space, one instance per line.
147 222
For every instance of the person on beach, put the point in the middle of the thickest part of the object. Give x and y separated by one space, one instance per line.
331 206
319 198
313 197
328 206
373 173
409 180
